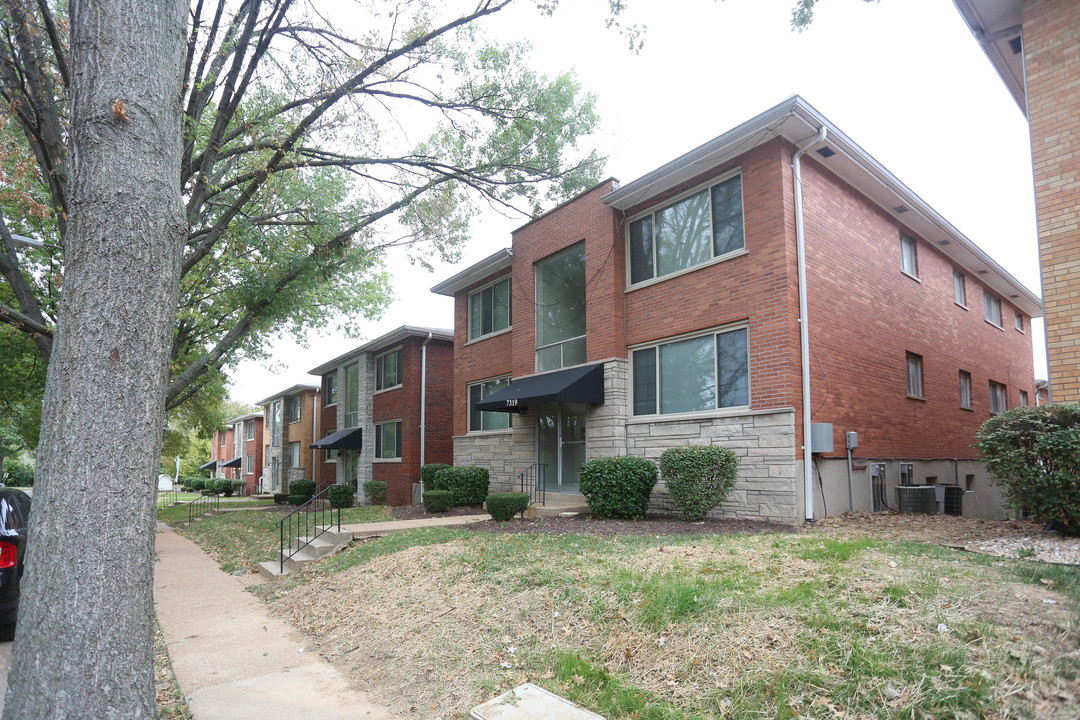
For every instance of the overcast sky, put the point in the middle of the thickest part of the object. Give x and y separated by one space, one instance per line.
902 78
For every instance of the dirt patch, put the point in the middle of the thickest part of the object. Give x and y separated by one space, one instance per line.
417 512
651 525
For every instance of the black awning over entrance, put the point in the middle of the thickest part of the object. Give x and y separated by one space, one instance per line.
578 385
235 462
347 439
209 466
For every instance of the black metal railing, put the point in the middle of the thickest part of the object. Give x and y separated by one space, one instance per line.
168 497
533 483
307 522
203 504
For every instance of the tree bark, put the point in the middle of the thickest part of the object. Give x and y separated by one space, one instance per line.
83 644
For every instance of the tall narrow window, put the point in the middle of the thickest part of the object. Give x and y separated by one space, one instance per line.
560 309
352 395
914 375
1023 398
1018 321
958 289
294 454
250 427
998 397
909 261
991 309
388 370
331 388
487 420
965 389
489 309
292 408
275 432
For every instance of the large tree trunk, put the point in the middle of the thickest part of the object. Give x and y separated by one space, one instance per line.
83 644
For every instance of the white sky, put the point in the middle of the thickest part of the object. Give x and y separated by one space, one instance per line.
902 78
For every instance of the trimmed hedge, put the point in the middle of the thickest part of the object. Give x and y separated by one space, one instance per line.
197 483
428 473
698 477
375 490
504 506
281 498
302 487
207 492
298 499
341 496
438 500
222 487
1032 453
618 487
468 484
238 487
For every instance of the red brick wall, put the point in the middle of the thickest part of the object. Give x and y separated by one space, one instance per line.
327 471
254 447
865 315
1052 64
440 403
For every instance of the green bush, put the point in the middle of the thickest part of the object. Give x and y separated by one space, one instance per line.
222 486
468 484
698 477
281 498
298 499
1032 453
197 484
238 487
207 492
437 500
341 496
504 506
375 490
428 473
618 487
19 474
302 487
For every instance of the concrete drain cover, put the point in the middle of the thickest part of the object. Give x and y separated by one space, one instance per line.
528 702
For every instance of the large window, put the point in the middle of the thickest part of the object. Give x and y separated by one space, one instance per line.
388 439
489 309
292 408
914 375
700 373
560 309
959 289
352 395
965 389
991 309
294 454
388 370
999 401
481 420
275 424
909 260
688 232
331 389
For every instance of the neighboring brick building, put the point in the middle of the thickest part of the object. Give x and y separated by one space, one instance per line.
1033 45
290 421
224 460
387 411
667 312
248 447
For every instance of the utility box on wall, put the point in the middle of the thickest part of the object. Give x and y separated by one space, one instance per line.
821 438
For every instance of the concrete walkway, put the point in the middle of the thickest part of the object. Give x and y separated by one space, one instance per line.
378 529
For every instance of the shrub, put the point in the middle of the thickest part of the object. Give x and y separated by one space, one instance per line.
437 500
207 492
238 487
618 487
375 490
698 477
341 496
1031 452
428 473
19 474
197 484
281 498
504 506
298 499
302 487
468 484
222 486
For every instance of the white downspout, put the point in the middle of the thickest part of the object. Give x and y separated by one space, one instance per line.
804 328
423 402
314 438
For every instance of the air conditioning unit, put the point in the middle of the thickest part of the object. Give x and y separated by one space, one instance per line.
920 499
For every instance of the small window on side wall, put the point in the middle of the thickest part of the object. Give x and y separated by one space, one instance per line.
998 398
965 390
914 375
991 309
1019 321
909 260
959 288
1023 398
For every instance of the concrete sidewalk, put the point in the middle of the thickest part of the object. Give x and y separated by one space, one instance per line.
232 660
378 529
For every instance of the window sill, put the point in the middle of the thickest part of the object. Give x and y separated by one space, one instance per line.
967 408
913 277
490 335
993 324
333 404
685 416
961 305
679 273
392 387
386 460
920 398
481 433
1021 331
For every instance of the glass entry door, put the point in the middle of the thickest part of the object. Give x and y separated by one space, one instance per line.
560 444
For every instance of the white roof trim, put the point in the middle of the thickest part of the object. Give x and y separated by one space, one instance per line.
475 273
394 336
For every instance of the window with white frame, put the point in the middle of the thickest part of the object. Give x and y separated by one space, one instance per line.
331 454
294 454
991 309
292 408
965 389
486 420
959 288
914 375
331 389
998 397
560 309
690 231
706 372
489 309
222 434
909 259
249 464
1018 321
250 428
1023 398
352 395
388 439
388 370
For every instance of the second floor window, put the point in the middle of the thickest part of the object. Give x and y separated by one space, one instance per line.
352 395
958 288
250 427
991 309
388 370
331 389
275 424
489 309
909 260
560 309
292 409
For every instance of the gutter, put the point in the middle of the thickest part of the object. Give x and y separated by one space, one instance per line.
423 402
804 329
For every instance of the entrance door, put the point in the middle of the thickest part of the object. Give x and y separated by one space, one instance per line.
560 444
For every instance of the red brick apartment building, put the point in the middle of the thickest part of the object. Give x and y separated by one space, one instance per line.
236 451
290 419
1033 46
387 412
667 311
224 461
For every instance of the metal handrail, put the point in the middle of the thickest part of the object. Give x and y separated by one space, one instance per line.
202 504
534 483
308 516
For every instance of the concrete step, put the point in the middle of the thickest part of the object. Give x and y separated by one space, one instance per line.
323 546
529 702
558 503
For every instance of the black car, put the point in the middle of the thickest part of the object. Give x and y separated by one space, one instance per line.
14 517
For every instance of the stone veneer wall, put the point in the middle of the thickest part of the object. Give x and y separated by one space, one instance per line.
767 487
